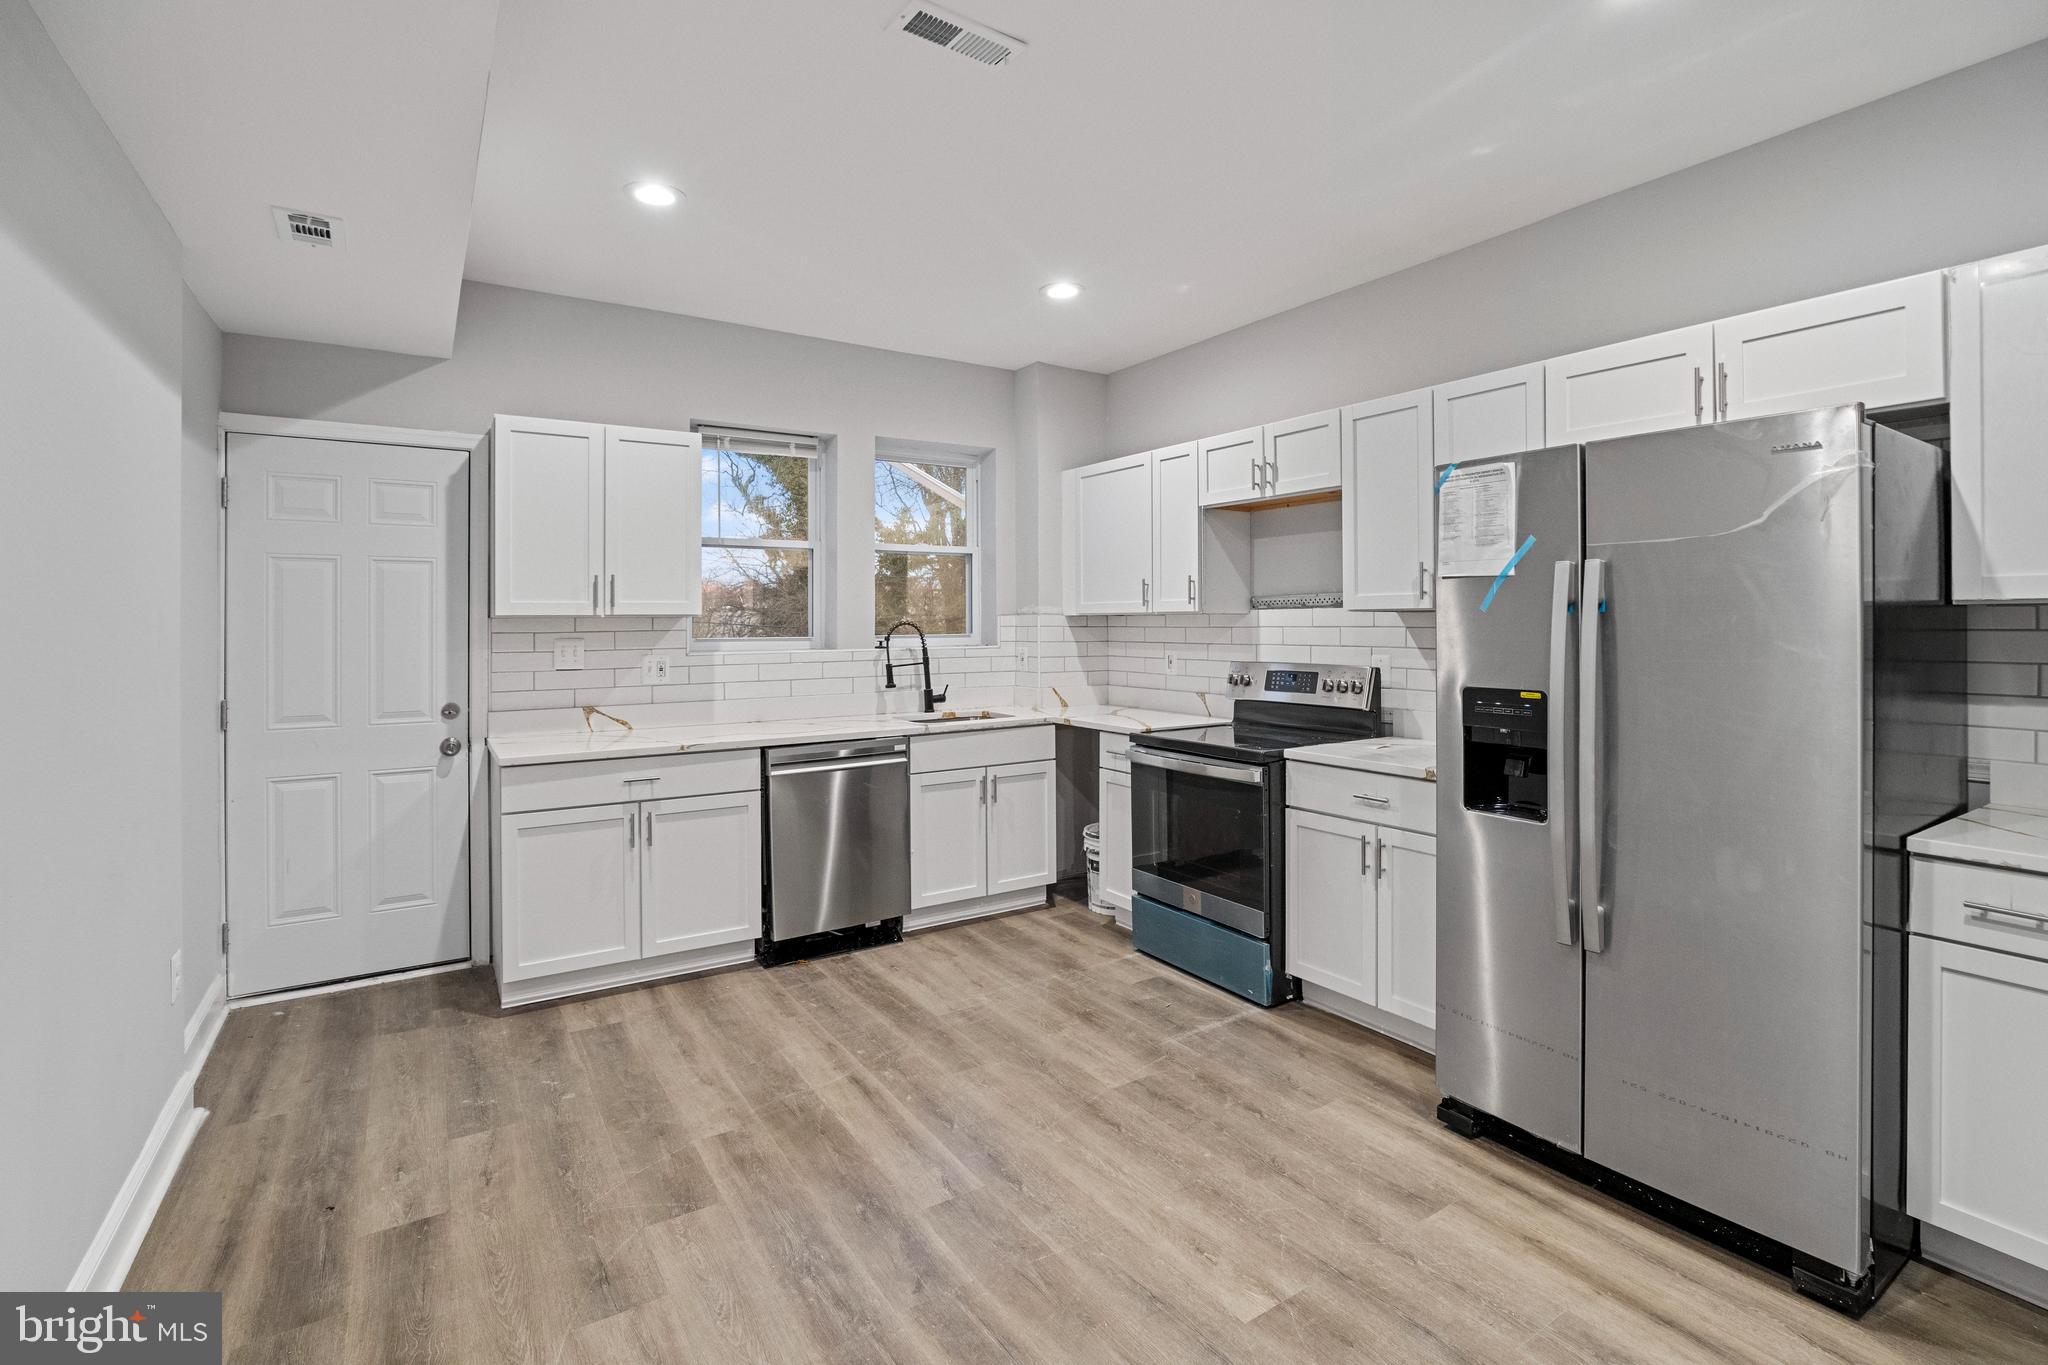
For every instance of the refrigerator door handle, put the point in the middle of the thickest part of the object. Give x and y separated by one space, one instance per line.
1563 590
1593 908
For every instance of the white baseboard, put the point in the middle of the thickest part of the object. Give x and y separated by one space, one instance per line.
1958 1253
539 988
972 909
113 1248
1378 1020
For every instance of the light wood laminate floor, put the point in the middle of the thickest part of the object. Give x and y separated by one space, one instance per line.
1007 1141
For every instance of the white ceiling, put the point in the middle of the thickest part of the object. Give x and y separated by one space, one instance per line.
367 109
1196 164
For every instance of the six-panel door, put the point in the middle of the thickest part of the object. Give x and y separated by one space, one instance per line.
547 517
652 486
1332 939
1389 541
1021 847
1406 958
948 836
701 872
569 890
1648 384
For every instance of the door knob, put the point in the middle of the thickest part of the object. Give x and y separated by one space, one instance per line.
451 746
449 711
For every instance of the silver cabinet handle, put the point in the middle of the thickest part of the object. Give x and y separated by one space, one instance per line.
1721 366
1256 480
1372 800
594 608
981 788
1272 473
995 789
649 816
451 746
1699 392
613 605
1379 852
1563 585
1593 907
632 830
1144 592
1191 590
1364 857
2030 920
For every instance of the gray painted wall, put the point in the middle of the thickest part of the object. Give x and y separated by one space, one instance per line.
199 650
1946 172
91 1046
543 355
1060 421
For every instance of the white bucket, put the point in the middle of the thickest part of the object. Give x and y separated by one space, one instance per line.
1091 849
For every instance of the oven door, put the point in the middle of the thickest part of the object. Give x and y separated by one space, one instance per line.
1202 837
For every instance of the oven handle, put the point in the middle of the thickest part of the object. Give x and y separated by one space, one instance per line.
1249 776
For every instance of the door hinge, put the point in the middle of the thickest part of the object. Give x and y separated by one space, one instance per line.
223 715
223 490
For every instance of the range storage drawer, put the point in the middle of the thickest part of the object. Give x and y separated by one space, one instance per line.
1400 802
1991 907
595 781
980 748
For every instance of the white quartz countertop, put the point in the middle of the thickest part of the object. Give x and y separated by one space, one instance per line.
1394 757
607 739
1996 836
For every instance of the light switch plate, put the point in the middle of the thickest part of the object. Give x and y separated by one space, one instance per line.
568 653
654 669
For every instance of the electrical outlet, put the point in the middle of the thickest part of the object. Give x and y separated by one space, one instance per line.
568 653
177 975
1173 668
654 669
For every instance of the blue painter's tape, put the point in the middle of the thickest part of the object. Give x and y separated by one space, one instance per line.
1505 570
1442 476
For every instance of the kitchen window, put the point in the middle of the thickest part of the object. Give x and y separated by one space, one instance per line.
926 537
757 512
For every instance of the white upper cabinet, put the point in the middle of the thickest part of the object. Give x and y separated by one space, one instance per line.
1109 516
1389 548
1880 346
1649 384
1304 455
1176 529
1490 414
547 517
1998 428
1233 467
590 520
652 487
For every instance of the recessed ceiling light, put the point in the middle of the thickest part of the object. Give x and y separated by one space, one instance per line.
1061 290
653 193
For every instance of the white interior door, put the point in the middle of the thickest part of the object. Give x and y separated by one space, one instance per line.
652 483
347 628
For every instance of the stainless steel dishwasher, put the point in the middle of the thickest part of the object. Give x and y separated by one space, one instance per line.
838 845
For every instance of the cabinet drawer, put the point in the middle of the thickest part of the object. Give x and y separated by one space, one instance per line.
590 782
1991 907
1400 802
980 749
1115 753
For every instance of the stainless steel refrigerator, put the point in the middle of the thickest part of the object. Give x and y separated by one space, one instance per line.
1681 741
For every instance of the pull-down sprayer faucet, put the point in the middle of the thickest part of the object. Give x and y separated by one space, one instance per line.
931 698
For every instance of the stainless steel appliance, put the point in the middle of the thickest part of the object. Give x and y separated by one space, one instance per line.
1208 857
1680 744
838 846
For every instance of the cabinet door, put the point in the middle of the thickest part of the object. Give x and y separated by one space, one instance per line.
1115 805
547 517
1489 414
700 879
1233 466
1880 346
653 482
1021 853
1331 937
1649 384
1303 456
1176 529
948 836
569 891
1407 925
1998 428
1389 504
1977 1095
1112 520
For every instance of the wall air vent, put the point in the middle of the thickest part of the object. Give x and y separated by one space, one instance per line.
307 229
942 28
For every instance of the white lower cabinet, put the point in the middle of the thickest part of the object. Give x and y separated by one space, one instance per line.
568 890
1115 803
700 869
1977 1095
1361 916
982 832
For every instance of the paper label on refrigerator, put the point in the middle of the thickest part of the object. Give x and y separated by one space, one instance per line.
1475 521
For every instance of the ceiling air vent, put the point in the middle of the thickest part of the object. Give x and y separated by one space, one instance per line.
307 229
942 28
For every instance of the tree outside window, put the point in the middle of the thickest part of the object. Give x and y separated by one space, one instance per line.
756 526
925 542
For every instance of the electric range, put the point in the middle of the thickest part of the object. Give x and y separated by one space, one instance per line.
1209 821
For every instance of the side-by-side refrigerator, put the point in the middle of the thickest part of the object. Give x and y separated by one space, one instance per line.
1681 741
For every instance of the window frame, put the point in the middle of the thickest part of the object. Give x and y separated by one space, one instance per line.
713 436
971 551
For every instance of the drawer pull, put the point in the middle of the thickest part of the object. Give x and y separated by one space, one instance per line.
2028 918
1372 800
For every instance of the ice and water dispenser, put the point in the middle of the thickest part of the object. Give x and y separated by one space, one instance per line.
1507 767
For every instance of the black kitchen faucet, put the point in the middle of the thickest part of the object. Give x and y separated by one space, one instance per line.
931 698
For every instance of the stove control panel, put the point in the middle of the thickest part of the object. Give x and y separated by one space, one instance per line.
1326 686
